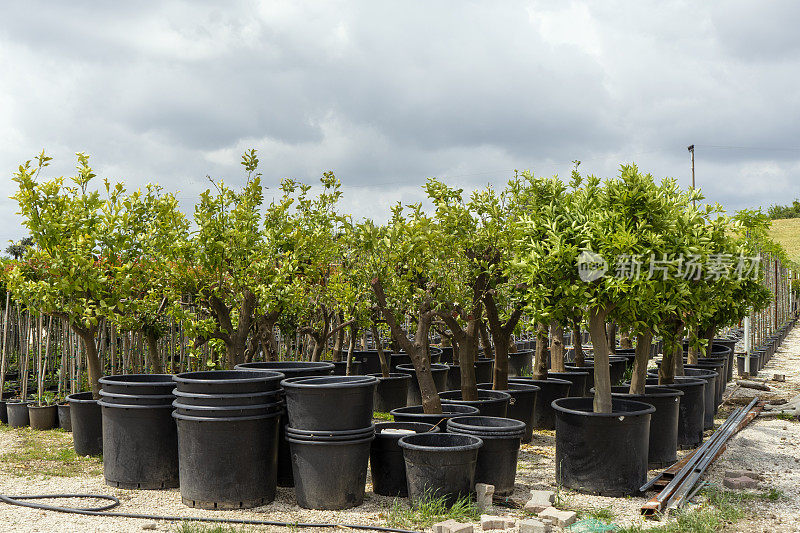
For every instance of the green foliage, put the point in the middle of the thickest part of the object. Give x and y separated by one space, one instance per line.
429 510
776 212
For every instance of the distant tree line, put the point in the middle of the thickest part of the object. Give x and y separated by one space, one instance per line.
784 211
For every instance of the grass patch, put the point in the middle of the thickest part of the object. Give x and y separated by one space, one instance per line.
787 417
603 514
46 453
429 510
388 417
196 527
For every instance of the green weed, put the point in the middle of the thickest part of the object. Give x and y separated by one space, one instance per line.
428 510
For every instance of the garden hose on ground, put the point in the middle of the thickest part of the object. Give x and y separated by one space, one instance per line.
104 511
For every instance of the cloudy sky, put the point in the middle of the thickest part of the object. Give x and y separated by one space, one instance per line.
386 94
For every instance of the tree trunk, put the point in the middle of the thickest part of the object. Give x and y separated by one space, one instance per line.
692 353
338 340
679 350
153 360
671 359
376 336
556 347
625 339
350 347
467 342
639 374
93 366
710 333
611 336
540 358
577 344
488 352
502 337
602 375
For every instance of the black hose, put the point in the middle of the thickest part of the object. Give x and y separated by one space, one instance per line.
103 511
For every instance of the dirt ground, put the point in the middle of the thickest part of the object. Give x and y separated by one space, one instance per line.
769 446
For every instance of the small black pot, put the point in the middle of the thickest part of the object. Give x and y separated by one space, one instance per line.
42 417
550 389
86 419
64 419
330 402
497 458
414 396
579 381
387 465
754 359
520 363
489 402
18 416
414 413
440 464
391 392
522 404
589 445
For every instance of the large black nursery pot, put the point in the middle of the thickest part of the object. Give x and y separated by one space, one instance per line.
64 419
140 440
330 402
414 413
447 354
86 419
489 402
340 368
414 396
691 409
3 412
579 380
663 423
228 453
330 468
18 416
440 465
42 417
617 368
719 383
602 453
387 466
497 458
522 404
628 353
392 392
709 377
369 361
549 389
754 359
520 363
290 369
483 370
398 358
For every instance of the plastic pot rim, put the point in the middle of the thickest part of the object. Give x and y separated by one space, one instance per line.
434 366
512 427
309 382
192 418
101 403
268 375
379 427
73 398
407 444
359 440
530 387
404 411
211 396
306 365
498 395
176 404
123 396
555 381
115 380
392 376
643 408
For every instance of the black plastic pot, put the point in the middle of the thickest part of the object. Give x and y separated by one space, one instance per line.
628 353
550 389
228 381
3 412
227 411
414 396
753 364
330 436
447 354
414 413
330 402
227 463
398 358
135 399
489 402
520 363
138 384
291 369
579 381
691 411
663 423
602 453
18 413
717 366
440 464
44 417
221 400
483 370
329 474
521 405
710 377
617 368
369 362
140 446
387 466
391 392
497 458
64 419
340 368
86 419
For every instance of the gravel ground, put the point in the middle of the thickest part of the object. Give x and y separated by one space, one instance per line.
768 446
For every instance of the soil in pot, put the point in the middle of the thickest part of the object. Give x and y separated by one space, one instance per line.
521 405
588 446
391 392
550 389
18 416
414 413
86 419
497 458
64 420
42 417
489 402
440 464
414 396
387 466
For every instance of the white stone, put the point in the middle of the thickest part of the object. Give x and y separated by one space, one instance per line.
532 525
485 493
562 518
540 500
451 526
489 522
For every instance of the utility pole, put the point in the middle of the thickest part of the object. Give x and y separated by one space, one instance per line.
691 149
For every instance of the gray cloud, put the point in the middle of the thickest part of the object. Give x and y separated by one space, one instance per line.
389 93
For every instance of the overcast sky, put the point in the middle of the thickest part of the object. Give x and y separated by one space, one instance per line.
386 94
